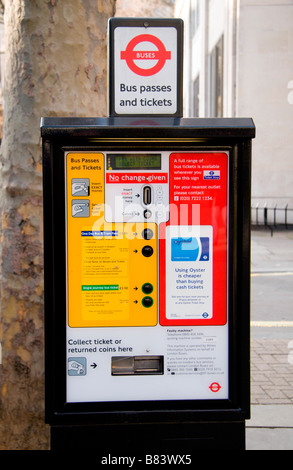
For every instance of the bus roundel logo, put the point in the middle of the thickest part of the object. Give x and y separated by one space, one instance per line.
131 55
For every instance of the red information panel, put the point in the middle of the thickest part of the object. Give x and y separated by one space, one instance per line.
193 243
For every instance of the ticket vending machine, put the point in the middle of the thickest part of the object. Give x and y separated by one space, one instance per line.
147 280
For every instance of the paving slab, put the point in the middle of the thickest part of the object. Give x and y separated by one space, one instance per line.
271 423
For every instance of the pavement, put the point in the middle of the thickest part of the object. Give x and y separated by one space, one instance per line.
271 423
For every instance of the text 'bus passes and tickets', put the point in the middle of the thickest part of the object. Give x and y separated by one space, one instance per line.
145 67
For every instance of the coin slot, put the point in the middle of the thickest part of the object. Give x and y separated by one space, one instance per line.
147 195
137 365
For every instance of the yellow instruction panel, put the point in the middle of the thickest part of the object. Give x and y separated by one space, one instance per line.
111 263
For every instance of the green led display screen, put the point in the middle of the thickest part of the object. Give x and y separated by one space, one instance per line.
133 161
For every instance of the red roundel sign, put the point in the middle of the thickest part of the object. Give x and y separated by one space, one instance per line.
131 55
215 387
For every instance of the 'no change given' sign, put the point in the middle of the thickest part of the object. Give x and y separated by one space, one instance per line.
145 67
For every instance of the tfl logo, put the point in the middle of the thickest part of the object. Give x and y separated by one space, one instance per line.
290 94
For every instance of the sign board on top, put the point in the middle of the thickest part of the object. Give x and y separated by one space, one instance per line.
145 67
